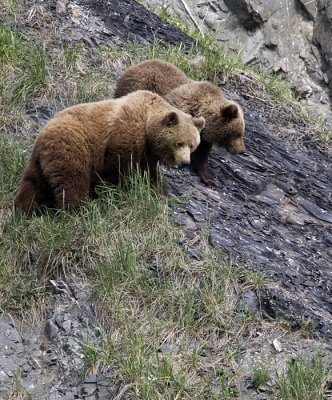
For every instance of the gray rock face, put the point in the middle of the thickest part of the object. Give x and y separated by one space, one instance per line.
322 37
248 16
290 37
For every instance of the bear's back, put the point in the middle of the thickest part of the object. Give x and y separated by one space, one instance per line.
154 75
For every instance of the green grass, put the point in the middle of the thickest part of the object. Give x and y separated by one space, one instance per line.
10 43
198 62
24 66
303 380
18 391
261 374
32 77
12 164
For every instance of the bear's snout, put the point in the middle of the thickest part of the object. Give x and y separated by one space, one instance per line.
237 146
182 155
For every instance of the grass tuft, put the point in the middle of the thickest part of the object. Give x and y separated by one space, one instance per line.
304 380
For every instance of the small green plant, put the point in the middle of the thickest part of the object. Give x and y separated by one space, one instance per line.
12 164
71 54
303 380
18 391
261 374
306 327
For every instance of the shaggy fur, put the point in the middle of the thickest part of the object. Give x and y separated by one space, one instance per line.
99 140
224 118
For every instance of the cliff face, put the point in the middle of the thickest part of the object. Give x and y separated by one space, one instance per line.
291 37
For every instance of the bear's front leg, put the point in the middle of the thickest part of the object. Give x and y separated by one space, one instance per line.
199 162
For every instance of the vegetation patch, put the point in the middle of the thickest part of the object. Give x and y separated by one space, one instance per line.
304 379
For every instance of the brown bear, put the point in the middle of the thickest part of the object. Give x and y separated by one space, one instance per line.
92 141
224 118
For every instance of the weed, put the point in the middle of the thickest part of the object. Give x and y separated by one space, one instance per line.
91 87
11 44
261 374
18 391
303 380
306 327
72 54
12 164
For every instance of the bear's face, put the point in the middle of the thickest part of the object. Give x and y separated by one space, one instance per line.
225 127
224 118
174 136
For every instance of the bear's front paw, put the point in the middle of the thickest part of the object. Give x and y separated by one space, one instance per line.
208 179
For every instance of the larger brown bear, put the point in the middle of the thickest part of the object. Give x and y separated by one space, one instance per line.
224 118
95 140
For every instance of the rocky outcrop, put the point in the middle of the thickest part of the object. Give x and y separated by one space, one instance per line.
322 37
291 37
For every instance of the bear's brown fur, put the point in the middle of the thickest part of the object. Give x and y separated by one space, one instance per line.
224 118
98 140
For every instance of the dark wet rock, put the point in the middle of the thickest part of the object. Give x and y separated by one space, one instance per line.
271 210
216 240
113 22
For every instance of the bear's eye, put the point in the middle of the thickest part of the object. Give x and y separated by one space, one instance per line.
180 144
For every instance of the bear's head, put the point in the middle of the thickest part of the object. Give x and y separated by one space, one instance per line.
225 126
224 123
173 135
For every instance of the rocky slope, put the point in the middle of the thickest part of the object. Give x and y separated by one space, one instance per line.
271 211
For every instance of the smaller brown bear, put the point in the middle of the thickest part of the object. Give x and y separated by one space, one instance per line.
224 118
84 143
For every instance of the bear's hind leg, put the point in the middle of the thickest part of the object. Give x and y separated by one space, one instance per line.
70 190
34 190
26 197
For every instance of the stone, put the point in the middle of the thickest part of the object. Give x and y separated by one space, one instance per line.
277 345
61 7
165 348
310 7
51 329
247 15
212 21
185 221
248 301
304 91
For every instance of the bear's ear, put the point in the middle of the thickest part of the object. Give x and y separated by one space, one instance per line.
199 123
171 119
230 112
